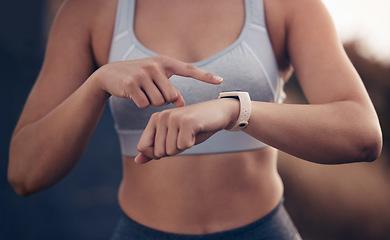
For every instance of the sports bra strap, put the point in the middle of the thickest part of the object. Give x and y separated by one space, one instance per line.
124 16
123 32
256 12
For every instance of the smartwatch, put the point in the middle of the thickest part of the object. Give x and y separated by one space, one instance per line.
245 108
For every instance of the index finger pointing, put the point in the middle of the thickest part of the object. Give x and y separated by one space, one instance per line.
176 67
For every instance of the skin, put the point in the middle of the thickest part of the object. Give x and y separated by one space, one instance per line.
191 194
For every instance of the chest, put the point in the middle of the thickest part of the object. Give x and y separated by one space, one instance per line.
188 30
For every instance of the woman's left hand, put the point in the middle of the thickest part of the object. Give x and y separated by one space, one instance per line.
174 130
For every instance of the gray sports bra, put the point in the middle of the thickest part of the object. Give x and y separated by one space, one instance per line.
248 64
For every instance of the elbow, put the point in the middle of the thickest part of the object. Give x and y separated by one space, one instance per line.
371 152
16 177
20 183
20 174
26 186
19 186
371 147
21 191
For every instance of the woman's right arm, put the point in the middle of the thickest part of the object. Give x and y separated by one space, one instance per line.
69 97
62 108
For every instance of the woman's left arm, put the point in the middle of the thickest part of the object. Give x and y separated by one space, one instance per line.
339 125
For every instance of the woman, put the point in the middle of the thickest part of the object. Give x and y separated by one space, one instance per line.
209 183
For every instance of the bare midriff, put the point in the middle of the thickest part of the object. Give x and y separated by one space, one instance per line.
198 194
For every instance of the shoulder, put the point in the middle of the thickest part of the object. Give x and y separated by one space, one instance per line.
85 13
88 6
309 11
287 18
295 5
288 12
73 37
89 22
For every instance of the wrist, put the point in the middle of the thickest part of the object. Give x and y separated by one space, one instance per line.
96 84
232 108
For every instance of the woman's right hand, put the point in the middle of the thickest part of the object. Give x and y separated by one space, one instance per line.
146 81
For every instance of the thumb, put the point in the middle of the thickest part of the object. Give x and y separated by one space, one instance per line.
179 102
141 158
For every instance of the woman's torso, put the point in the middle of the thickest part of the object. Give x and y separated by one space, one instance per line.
196 193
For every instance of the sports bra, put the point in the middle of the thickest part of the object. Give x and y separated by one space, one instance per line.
248 64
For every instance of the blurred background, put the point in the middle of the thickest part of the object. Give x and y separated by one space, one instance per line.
325 202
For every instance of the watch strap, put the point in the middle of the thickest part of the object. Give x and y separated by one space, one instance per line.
245 108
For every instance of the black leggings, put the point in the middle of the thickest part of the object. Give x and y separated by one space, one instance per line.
276 225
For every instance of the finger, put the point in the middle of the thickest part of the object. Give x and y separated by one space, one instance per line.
153 94
201 137
160 140
140 99
141 159
168 91
171 142
175 67
179 102
185 138
146 142
188 70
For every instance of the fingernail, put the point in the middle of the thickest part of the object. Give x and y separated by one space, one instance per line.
217 78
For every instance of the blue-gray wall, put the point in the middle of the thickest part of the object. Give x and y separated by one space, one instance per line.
84 204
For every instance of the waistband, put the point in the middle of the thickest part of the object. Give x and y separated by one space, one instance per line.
275 225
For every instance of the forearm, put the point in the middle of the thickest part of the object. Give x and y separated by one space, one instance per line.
44 151
337 132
